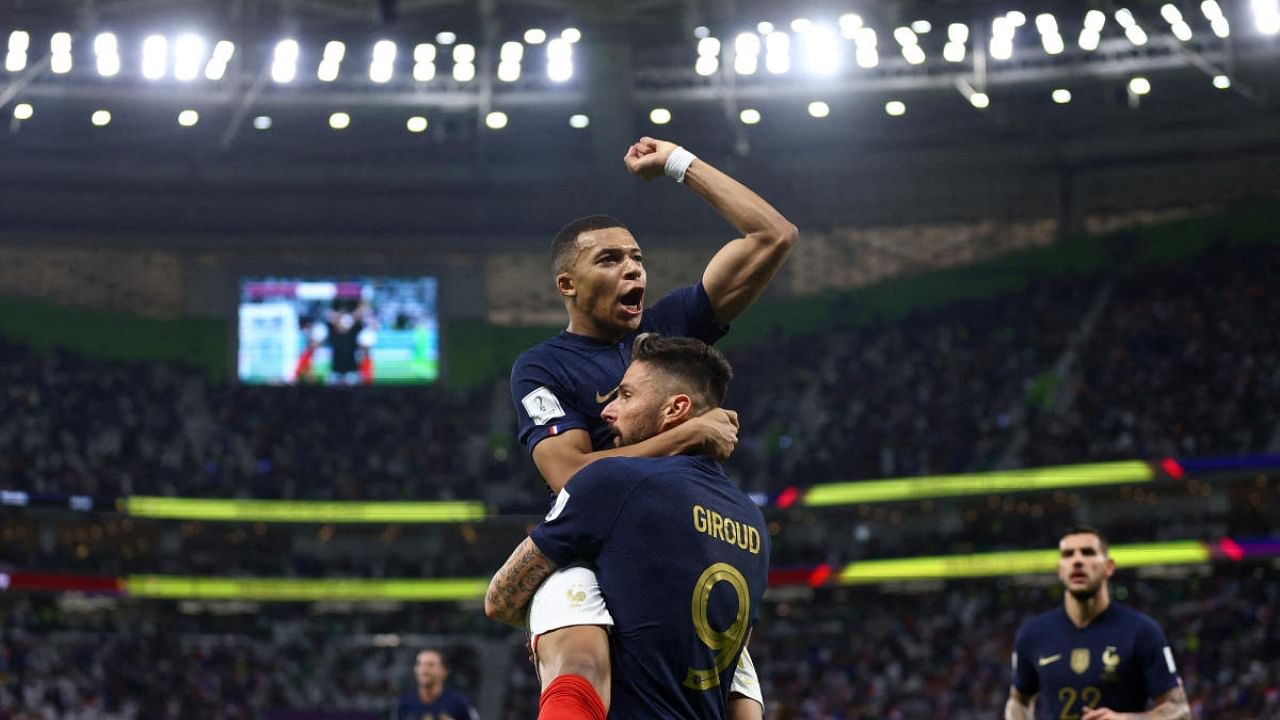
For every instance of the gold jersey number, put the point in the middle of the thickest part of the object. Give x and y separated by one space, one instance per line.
1089 698
725 643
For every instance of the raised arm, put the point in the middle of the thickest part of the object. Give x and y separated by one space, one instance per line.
743 268
1018 707
559 457
512 587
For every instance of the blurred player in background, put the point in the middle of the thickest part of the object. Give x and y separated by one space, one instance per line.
1093 659
681 555
432 700
560 386
350 330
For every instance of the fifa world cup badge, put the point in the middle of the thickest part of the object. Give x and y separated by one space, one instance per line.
1080 660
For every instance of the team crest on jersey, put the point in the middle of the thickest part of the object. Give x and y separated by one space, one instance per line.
1080 660
1110 663
576 596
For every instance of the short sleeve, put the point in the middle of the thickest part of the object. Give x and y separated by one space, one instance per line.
685 312
1156 658
584 512
543 406
1025 677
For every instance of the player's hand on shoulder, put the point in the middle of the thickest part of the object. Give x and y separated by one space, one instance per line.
647 158
1103 714
718 432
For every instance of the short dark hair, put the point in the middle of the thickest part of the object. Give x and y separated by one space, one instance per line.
565 243
697 368
1081 529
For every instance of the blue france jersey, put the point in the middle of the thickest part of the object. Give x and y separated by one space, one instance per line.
451 705
564 383
682 556
1119 661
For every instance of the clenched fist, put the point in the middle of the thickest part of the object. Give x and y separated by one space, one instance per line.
647 158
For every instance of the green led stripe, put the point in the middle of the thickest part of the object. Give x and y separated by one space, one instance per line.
302 511
937 486
303 590
1022 562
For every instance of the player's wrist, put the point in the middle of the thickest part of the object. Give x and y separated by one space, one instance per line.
678 163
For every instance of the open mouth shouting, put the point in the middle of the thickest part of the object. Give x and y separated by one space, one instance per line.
632 301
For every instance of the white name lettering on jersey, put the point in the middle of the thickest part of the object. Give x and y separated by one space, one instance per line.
1168 658
542 405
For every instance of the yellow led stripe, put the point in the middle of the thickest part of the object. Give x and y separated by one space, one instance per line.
1022 562
303 590
937 486
301 511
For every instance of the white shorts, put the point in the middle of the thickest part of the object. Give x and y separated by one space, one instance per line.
571 596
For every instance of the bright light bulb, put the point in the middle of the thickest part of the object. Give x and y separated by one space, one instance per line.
749 116
895 108
1062 96
23 111
819 109
188 118
1139 86
980 100
535 36
262 122
495 120
572 35
1222 82
339 121
659 116
416 124
579 121
100 118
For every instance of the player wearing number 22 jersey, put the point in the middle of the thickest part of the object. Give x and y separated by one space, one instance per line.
681 555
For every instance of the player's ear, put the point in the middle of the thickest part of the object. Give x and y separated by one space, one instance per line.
565 284
678 409
1111 567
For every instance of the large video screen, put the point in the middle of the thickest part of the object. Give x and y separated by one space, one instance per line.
365 331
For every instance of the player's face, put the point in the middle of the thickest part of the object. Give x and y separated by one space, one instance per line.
429 669
609 279
1082 566
635 415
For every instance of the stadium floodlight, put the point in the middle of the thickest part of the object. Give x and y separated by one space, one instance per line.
702 31
495 120
60 53
921 27
571 34
659 116
188 55
382 66
559 60
1136 35
578 121
822 50
708 47
223 51
708 56
23 111
446 38
746 53
464 53
749 116
1171 13
1139 86
100 118
416 124
801 25
1182 31
535 36
155 57
1002 31
1266 14
1017 18
850 23
188 118
911 50
980 100
1047 24
1221 27
511 51
339 121
1062 96
957 36
262 122
764 28
424 62
777 56
107 49
819 109
464 72
1089 40
953 52
16 59
284 66
1095 20
706 66
508 71
464 59
866 54
895 108
1222 82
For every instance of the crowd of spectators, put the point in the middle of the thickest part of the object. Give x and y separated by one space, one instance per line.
1181 361
917 651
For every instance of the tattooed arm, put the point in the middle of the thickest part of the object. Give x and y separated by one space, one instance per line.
1169 706
512 588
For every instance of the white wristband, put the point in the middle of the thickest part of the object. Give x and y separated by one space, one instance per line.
678 162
